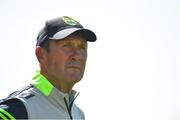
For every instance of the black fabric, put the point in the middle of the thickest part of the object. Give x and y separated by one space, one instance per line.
14 107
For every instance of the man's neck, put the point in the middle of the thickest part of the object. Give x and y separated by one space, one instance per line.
59 84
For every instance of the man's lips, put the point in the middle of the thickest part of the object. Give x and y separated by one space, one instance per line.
74 67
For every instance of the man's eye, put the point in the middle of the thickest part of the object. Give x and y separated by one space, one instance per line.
66 45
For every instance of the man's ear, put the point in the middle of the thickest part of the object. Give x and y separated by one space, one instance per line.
40 54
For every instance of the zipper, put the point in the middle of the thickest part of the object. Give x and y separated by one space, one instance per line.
69 107
69 110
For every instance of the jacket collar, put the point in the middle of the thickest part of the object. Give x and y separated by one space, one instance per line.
46 88
42 84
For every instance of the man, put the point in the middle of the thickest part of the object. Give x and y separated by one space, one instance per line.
61 50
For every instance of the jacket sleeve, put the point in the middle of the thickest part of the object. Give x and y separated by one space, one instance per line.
12 109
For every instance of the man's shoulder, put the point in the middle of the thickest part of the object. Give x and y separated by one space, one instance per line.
25 92
13 107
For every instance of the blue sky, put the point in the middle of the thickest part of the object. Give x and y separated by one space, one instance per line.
132 70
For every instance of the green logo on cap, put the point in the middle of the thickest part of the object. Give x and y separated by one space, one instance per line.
69 21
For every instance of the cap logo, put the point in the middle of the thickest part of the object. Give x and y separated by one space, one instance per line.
69 21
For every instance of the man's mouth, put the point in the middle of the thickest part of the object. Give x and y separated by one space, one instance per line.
74 67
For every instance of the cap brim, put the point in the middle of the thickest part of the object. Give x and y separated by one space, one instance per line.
88 34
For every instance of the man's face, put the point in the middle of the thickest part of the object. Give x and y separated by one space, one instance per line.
66 59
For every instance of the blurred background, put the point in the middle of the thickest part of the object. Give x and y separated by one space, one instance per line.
133 70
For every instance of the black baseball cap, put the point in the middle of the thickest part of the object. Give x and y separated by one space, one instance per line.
61 27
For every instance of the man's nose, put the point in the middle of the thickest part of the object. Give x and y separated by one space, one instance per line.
78 55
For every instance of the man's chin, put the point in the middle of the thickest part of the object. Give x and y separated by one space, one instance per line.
74 75
74 78
73 81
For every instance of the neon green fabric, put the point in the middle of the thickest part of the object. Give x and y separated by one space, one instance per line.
3 117
6 113
42 84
